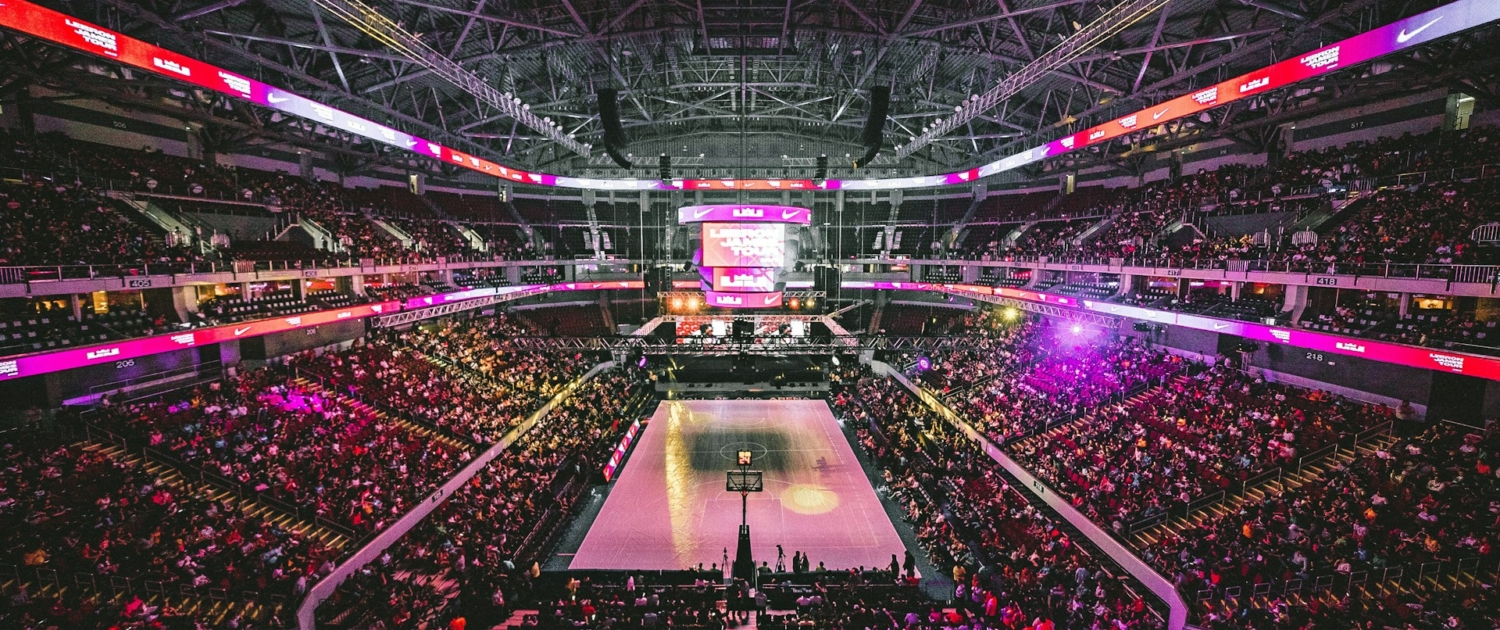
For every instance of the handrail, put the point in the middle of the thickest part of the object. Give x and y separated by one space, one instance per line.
1149 265
1109 545
368 552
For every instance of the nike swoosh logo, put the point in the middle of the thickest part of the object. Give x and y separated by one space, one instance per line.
1403 36
241 331
698 214
271 97
787 214
1220 326
1158 115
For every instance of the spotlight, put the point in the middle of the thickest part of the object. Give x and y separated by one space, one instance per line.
795 304
1010 314
692 304
676 303
810 303
835 360
641 363
924 364
1077 330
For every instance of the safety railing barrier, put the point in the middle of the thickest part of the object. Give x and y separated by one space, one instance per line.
369 550
1484 274
197 372
20 274
1487 234
1111 550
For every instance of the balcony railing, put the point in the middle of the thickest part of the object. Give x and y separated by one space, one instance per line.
1484 274
51 273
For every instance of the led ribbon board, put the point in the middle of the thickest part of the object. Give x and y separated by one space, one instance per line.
1394 353
102 354
84 356
743 213
1419 29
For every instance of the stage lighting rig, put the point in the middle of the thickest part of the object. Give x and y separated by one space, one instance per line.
382 29
1117 19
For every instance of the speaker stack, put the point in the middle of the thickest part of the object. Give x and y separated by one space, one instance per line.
880 103
614 133
827 279
657 279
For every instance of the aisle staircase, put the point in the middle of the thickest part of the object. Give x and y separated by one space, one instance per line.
212 605
1059 430
175 478
431 433
1291 480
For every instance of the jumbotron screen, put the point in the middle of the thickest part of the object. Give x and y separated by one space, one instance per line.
743 279
744 244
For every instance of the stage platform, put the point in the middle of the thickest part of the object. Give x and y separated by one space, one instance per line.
669 509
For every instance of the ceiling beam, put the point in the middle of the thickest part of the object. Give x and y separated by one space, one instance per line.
134 10
621 17
382 29
1096 33
212 7
283 41
990 18
489 18
868 20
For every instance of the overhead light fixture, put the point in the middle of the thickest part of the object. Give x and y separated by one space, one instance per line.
1085 38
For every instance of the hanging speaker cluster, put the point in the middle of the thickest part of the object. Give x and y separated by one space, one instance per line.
614 133
880 103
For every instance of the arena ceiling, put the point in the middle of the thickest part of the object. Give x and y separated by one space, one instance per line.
726 78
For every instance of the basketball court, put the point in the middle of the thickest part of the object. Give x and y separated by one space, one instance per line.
669 508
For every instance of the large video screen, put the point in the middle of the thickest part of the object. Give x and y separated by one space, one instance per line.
744 244
747 279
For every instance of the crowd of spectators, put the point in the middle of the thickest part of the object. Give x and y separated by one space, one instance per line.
432 237
78 511
269 434
1193 437
488 535
49 223
1428 500
1441 328
492 386
78 171
1025 570
1424 220
1013 378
